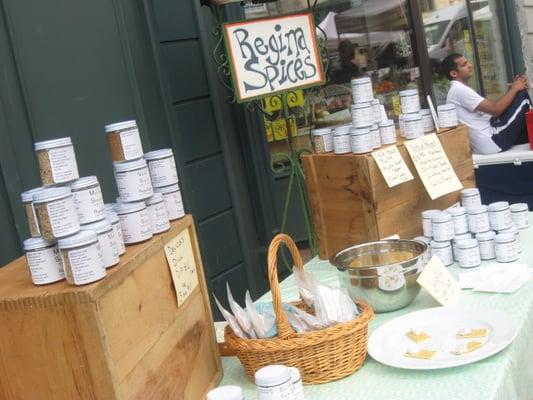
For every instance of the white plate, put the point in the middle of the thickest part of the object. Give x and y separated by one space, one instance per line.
389 343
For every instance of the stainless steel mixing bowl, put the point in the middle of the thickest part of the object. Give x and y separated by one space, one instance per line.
382 273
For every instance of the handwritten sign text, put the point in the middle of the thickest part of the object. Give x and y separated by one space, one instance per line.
392 166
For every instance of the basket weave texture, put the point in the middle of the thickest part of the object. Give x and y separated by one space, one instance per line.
321 356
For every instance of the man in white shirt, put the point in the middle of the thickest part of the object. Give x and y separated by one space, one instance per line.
494 125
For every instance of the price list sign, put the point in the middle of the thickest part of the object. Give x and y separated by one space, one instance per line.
392 166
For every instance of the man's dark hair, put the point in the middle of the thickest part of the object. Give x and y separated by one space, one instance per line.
449 64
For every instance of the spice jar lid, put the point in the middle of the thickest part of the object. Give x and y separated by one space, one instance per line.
156 198
456 211
50 194
427 214
374 127
28 194
441 216
511 229
467 243
167 189
79 239
470 192
84 182
129 165
462 236
157 154
412 117
477 210
439 245
360 131
111 216
504 238
483 236
109 207
342 130
498 206
446 107
360 81
120 125
365 104
321 131
519 207
124 208
99 226
387 122
225 393
37 243
408 92
272 375
50 144
425 111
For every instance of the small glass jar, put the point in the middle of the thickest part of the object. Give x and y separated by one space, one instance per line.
426 222
413 126
460 222
478 219
162 167
341 139
409 101
158 213
442 227
82 258
106 239
134 221
322 140
456 239
500 216
56 213
44 261
273 382
376 109
470 198
57 161
133 180
88 199
225 393
173 201
362 91
447 116
515 232
443 250
520 215
376 138
361 140
505 247
362 114
124 141
468 253
486 245
427 119
29 210
387 131
112 217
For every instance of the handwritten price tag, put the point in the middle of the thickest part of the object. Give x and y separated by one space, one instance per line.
439 283
180 259
433 166
392 166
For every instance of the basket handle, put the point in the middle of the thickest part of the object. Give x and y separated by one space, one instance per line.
284 329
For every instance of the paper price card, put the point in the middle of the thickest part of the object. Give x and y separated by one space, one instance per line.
392 166
182 265
439 283
433 166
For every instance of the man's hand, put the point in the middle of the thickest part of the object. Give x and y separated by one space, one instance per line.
520 82
496 108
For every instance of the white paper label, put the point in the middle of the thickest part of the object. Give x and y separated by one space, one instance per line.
328 143
506 252
486 249
361 143
439 283
63 217
174 205
388 134
136 226
363 117
280 392
87 264
410 104
460 224
442 231
118 237
63 164
45 266
478 223
500 220
131 144
391 278
362 93
469 258
444 254
392 166
89 204
134 185
341 144
109 248
159 217
163 172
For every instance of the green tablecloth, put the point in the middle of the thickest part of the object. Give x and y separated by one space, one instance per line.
507 375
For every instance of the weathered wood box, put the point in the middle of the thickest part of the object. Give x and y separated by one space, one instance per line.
121 338
351 202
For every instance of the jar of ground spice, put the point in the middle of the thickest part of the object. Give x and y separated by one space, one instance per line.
57 161
133 180
112 217
44 261
162 167
88 199
56 213
124 141
27 203
134 221
173 201
158 213
107 240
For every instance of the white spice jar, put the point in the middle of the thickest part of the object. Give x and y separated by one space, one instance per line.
362 114
162 167
134 221
447 116
107 240
173 201
426 222
409 101
57 161
124 141
516 233
520 215
460 222
468 253
112 217
505 247
341 139
273 382
88 199
443 250
413 127
29 210
387 131
56 213
401 125
486 245
442 227
456 239
361 140
362 90
133 180
478 219
427 120
158 213
228 392
322 140
376 138
82 258
296 383
470 198
44 261
500 216
376 109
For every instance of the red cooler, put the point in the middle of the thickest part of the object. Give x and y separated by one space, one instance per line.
529 124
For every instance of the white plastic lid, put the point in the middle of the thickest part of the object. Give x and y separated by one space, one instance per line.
226 393
157 154
484 236
272 375
120 125
84 182
519 207
477 210
412 117
50 144
425 111
101 226
467 243
342 130
498 206
37 243
360 131
408 92
440 245
321 131
109 207
111 216
427 214
360 81
387 122
441 216
156 198
129 165
455 211
446 107
512 230
125 208
470 192
167 189
50 194
79 239
504 238
365 104
28 194
374 127
462 236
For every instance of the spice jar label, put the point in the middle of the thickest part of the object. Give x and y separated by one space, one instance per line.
134 185
63 218
89 205
87 264
131 143
45 266
163 172
63 164
174 205
136 226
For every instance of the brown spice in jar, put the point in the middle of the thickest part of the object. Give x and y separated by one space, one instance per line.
45 225
115 145
320 146
66 266
45 167
32 223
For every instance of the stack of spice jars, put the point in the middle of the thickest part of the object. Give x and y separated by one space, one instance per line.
414 121
473 232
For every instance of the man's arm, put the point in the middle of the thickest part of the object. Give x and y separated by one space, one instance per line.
496 108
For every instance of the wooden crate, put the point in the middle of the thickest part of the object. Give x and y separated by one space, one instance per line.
351 202
121 338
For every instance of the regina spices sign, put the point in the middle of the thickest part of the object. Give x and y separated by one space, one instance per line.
271 55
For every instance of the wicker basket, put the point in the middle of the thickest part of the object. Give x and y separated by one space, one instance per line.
321 356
